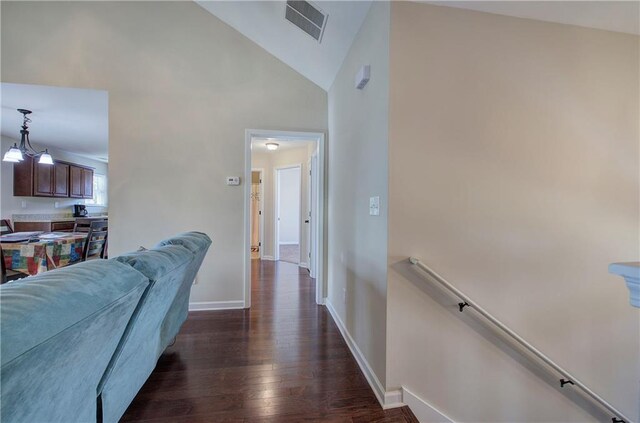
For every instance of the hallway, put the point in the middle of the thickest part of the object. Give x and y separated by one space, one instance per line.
290 253
283 360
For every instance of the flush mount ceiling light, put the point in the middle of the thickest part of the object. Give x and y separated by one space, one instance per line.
272 145
16 154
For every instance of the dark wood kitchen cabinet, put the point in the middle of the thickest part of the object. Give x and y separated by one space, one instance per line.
80 182
52 226
62 179
50 180
42 180
23 178
75 182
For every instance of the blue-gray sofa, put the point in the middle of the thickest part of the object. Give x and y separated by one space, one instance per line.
77 343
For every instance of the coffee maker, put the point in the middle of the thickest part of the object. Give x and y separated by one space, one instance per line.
79 210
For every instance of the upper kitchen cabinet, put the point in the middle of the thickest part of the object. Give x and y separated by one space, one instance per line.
75 182
80 182
23 178
62 179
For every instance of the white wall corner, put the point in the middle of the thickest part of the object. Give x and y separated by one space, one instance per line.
216 305
424 412
393 399
303 264
375 384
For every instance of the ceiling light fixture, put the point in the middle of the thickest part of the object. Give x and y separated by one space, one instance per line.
272 145
16 154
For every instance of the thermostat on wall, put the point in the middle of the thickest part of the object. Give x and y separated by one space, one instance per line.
233 180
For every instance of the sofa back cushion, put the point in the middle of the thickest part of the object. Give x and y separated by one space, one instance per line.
142 344
198 243
59 331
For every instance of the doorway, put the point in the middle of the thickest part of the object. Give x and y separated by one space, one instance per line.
288 189
299 240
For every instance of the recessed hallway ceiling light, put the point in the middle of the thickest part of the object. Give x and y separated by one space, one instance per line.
272 145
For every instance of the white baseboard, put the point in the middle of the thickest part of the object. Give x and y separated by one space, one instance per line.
424 412
303 264
289 243
373 380
393 399
268 258
216 305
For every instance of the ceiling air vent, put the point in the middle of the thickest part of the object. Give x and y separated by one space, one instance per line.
307 17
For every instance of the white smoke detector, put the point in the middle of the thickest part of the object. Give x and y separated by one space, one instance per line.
363 76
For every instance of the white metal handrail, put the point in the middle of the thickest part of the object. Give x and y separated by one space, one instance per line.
570 379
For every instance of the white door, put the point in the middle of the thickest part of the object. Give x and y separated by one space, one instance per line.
288 213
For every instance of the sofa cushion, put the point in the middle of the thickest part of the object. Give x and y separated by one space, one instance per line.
59 331
192 241
198 243
158 261
142 343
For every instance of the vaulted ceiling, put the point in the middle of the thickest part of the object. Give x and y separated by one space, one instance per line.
264 23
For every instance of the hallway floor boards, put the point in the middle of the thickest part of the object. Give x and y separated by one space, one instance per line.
283 360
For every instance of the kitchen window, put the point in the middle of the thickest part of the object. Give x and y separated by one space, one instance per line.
99 191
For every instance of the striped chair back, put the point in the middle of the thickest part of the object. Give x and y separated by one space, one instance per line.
96 242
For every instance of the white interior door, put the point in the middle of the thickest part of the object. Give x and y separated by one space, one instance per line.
289 212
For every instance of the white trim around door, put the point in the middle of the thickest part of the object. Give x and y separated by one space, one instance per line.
319 213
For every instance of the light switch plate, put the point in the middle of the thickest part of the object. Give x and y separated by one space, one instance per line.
374 206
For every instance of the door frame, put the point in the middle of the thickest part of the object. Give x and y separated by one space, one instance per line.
276 209
313 215
261 218
320 212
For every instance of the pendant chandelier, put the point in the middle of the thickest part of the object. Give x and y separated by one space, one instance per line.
16 153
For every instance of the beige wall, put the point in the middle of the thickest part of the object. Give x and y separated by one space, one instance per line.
268 162
10 205
514 173
183 87
357 242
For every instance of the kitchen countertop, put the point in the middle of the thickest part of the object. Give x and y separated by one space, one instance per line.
48 218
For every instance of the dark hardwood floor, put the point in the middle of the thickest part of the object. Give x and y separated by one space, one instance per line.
283 360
